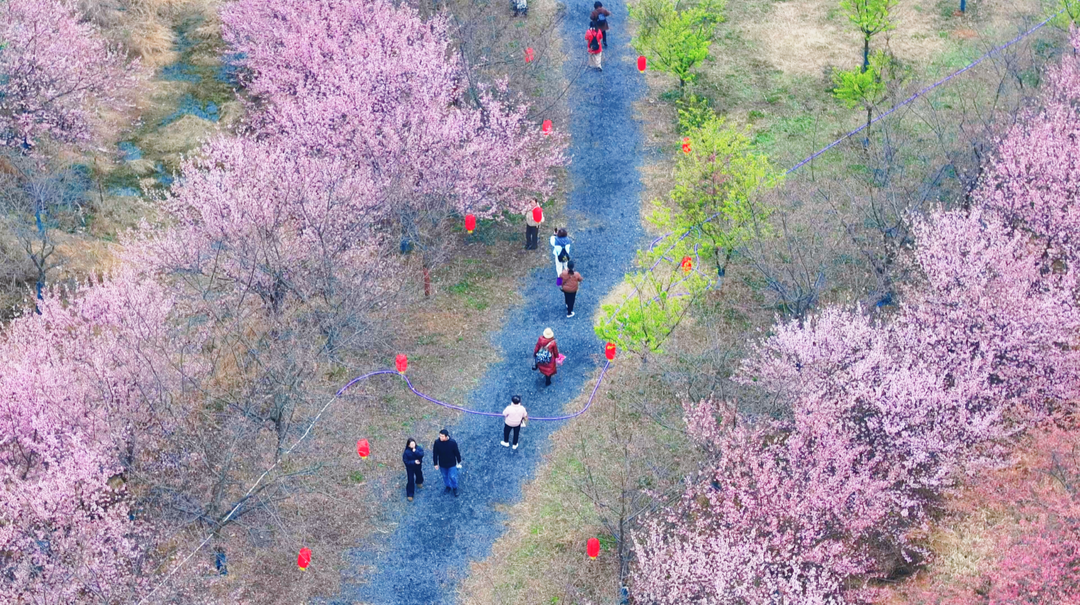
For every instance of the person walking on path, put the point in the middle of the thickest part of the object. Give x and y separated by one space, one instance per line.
593 42
413 456
532 226
560 249
545 355
447 460
514 417
600 16
570 281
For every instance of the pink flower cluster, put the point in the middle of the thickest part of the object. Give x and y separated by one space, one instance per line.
77 383
55 68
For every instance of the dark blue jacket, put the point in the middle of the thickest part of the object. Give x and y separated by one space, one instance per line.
410 457
445 453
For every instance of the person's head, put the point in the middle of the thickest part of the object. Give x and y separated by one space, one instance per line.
594 25
561 232
570 266
598 5
516 400
548 333
410 444
444 435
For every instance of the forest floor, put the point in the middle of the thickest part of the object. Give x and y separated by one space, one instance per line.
430 542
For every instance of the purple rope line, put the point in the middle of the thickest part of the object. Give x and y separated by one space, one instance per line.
817 153
923 92
478 413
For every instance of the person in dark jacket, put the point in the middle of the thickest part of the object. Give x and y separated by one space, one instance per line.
447 460
547 368
600 15
412 457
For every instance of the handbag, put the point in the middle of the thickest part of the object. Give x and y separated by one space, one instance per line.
558 281
524 421
559 359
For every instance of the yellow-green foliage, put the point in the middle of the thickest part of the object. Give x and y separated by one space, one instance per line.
674 38
717 186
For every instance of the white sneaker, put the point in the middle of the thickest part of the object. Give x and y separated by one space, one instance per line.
515 446
570 314
504 444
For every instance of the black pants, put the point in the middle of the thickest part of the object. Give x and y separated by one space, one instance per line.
416 477
605 32
531 234
569 297
506 433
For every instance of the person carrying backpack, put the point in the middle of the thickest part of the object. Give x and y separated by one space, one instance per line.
545 354
570 281
560 249
593 40
600 15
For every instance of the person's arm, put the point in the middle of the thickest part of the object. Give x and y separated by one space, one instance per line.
457 454
554 351
606 12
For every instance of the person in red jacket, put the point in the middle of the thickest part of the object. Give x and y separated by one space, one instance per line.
594 39
545 354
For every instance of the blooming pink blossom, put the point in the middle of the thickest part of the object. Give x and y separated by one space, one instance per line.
55 68
372 83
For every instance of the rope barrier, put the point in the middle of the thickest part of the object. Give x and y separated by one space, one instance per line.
338 394
843 138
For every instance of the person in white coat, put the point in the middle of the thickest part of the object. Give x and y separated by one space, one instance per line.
560 249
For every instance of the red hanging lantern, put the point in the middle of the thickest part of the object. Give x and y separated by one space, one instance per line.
538 215
546 127
686 145
687 264
528 55
609 351
641 63
470 222
401 362
363 449
593 548
304 559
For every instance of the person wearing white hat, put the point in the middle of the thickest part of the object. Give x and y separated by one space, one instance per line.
545 354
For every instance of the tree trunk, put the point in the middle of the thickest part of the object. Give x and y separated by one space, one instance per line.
427 282
866 52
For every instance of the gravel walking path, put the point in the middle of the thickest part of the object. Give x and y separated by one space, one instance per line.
436 537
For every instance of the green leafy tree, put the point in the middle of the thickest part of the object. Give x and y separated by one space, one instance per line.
656 305
714 204
721 175
864 87
675 38
871 17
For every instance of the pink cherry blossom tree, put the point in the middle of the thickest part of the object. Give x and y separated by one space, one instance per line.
76 394
54 68
1034 181
886 415
374 85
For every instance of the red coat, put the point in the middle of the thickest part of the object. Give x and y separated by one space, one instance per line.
589 35
547 369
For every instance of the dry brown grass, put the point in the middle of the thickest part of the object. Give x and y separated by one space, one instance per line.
803 37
